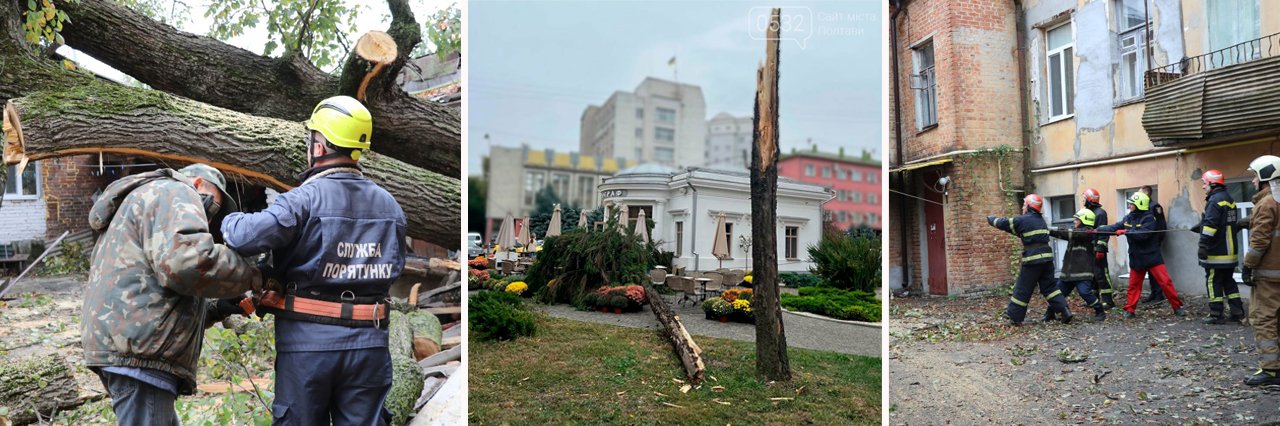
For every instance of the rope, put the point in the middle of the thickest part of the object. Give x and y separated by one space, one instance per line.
912 196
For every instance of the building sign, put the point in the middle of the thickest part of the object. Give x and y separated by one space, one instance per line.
613 193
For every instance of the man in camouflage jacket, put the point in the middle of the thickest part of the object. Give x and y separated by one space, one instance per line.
154 269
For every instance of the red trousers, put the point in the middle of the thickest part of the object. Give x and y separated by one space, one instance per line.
1160 276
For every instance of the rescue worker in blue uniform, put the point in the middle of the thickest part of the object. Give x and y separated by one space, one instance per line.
337 245
1037 261
1102 286
1217 251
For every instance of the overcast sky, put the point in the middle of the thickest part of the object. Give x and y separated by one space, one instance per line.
533 66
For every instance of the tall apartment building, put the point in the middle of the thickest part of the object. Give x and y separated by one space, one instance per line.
1106 94
516 174
660 122
853 180
728 142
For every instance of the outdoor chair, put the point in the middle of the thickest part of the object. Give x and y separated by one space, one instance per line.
658 277
690 288
717 283
734 277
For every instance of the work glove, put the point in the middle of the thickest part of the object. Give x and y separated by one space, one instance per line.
991 219
1100 256
222 309
1121 231
1202 253
1195 229
1243 223
1246 275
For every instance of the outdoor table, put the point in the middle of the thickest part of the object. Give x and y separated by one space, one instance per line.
703 283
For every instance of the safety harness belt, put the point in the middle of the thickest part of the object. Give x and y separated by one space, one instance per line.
348 310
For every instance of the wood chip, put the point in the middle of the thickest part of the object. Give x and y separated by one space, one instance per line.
671 405
717 388
783 398
621 393
685 388
659 394
718 401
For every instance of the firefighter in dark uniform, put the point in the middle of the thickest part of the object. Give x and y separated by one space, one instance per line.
1037 261
1217 251
337 245
1078 262
1102 272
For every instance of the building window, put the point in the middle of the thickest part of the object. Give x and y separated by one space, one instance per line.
873 198
808 170
839 173
728 238
25 188
560 184
664 155
840 195
666 115
856 197
872 177
664 134
793 242
842 217
639 133
1232 22
826 172
926 88
586 191
1132 42
679 239
855 176
533 182
640 113
1060 67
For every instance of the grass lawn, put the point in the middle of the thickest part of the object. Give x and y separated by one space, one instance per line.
582 373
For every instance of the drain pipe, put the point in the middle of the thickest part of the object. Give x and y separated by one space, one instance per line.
693 239
1023 102
904 230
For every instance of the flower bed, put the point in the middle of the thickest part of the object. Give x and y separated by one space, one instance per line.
732 305
835 303
618 299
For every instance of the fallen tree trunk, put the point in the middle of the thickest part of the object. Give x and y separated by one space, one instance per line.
413 130
686 349
107 118
37 387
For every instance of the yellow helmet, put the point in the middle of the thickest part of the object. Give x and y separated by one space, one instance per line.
1086 217
1140 200
345 122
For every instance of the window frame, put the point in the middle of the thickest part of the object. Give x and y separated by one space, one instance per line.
791 245
19 186
664 118
679 238
1066 65
926 96
658 131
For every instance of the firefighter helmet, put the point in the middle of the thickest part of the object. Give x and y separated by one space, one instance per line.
1140 200
1092 196
1033 202
1213 177
1267 167
1086 217
344 122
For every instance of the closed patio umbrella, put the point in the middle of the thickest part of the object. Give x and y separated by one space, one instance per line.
506 234
642 227
623 218
553 229
720 247
523 237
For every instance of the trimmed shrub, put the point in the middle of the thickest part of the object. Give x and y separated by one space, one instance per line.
797 279
836 303
847 262
498 315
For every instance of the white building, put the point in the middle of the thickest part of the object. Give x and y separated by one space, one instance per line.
685 205
728 142
660 122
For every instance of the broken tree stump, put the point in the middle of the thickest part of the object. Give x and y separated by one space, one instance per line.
379 50
686 349
37 387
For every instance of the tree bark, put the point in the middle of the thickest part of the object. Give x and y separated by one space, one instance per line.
686 349
413 130
38 384
103 117
771 340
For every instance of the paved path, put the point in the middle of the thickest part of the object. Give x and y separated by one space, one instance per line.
802 332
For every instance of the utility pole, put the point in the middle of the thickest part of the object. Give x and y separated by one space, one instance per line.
771 341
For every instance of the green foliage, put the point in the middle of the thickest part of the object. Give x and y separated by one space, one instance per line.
477 190
836 303
74 259
236 358
798 279
444 30
42 22
847 262
498 315
318 29
406 385
582 260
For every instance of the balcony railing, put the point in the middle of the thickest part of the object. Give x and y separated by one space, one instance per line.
1252 50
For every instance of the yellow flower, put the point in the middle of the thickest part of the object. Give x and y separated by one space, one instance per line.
517 287
747 279
743 305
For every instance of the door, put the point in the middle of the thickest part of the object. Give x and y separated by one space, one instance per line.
936 240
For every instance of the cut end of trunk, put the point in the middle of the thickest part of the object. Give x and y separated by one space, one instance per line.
379 49
14 146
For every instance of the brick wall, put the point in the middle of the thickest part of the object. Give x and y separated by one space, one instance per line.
69 188
979 256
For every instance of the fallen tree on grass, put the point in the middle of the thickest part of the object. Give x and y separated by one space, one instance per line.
687 350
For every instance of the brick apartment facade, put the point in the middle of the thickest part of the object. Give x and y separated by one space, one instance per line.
1104 94
855 182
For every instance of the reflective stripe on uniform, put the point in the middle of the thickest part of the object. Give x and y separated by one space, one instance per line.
1209 230
1038 257
1018 302
1227 204
1106 291
1228 259
1209 283
1036 232
1055 293
1233 296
